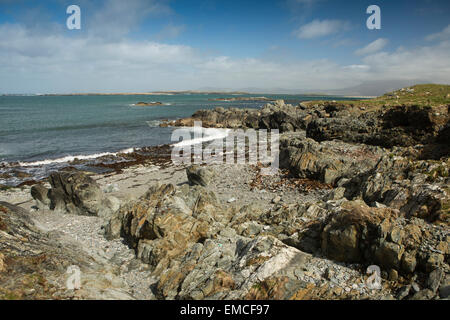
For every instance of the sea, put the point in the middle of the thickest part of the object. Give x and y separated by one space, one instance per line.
41 133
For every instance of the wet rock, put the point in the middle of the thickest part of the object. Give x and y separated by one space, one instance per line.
143 104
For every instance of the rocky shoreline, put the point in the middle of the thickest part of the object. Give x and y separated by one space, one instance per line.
361 183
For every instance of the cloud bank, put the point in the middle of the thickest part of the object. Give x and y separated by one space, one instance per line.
39 61
372 47
321 28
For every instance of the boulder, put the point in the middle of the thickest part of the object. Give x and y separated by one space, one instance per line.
404 184
199 175
75 193
355 232
40 194
328 162
434 279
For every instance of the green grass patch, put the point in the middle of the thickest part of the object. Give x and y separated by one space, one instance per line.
419 95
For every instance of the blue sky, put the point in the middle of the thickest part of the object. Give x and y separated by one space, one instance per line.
145 45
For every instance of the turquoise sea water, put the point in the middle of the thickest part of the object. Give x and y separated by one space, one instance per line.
49 128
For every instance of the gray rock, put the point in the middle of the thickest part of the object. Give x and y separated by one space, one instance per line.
336 194
40 194
79 193
75 193
434 279
329 162
108 206
403 292
389 255
199 175
425 294
444 289
408 263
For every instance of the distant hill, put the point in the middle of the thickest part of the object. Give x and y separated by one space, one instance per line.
375 88
369 88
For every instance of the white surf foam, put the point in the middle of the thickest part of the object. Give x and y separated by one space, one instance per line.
71 158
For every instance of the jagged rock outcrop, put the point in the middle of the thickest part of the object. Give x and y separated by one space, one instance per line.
403 125
166 221
277 115
416 188
328 162
75 193
227 267
356 232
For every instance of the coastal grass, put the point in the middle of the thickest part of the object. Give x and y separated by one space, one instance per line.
422 95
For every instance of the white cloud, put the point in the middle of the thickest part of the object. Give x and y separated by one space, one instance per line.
429 63
170 31
372 47
321 28
443 35
56 62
